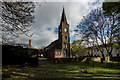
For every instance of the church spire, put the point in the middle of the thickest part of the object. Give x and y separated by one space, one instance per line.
63 18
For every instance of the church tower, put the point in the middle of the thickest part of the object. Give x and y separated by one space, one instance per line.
64 38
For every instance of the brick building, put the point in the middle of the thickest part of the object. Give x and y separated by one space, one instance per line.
60 48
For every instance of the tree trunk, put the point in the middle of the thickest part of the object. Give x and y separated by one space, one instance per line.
108 58
102 59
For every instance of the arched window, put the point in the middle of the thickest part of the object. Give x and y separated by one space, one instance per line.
60 30
65 45
66 37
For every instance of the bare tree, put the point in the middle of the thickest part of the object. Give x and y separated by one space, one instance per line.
109 8
101 29
16 19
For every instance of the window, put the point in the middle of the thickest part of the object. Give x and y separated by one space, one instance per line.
66 37
65 45
60 30
58 53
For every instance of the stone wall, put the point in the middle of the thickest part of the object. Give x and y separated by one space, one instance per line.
19 55
64 60
50 54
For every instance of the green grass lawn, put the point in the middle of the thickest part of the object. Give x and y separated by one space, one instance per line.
47 69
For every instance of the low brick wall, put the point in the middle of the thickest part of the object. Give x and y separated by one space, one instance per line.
19 55
81 59
64 60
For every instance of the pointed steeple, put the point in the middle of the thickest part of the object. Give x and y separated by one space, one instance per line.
63 18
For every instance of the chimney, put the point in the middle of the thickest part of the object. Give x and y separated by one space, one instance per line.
29 44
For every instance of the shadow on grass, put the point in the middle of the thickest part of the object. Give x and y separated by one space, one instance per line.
71 79
94 69
65 71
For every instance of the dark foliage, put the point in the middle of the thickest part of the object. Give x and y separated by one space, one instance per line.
110 7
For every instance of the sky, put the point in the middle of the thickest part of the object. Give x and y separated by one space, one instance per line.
47 19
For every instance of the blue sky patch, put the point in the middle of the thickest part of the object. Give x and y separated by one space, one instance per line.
49 29
72 38
56 30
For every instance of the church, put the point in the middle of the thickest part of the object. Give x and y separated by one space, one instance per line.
60 48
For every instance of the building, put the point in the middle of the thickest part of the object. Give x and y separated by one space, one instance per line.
60 48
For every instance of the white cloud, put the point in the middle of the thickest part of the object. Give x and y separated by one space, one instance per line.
54 0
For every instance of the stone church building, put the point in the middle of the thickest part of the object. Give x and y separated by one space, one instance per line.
60 48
